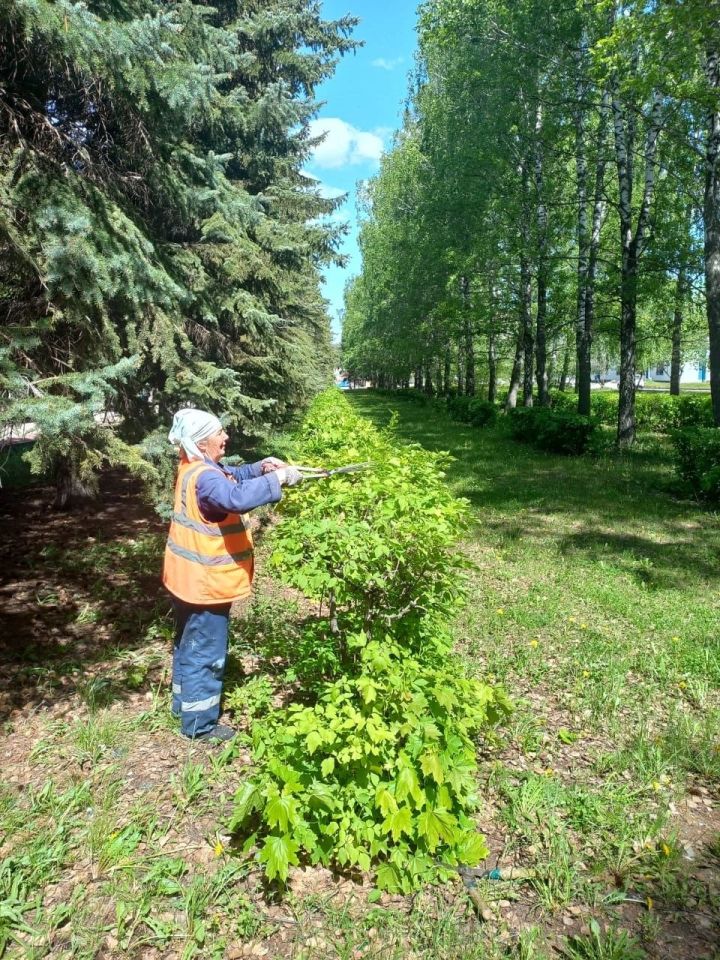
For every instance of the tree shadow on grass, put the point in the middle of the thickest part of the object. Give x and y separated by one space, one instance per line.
656 564
78 589
614 507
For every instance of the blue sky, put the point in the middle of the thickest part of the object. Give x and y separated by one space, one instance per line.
362 109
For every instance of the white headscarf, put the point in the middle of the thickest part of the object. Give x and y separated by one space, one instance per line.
190 426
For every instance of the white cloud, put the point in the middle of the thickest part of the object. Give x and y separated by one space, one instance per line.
325 190
344 144
385 64
330 193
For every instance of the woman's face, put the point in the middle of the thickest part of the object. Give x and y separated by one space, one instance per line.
214 446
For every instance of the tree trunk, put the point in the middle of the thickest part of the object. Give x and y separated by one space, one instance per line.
491 352
70 490
447 368
542 229
468 341
525 296
711 212
418 379
492 368
460 374
628 321
565 367
583 336
511 401
588 236
632 245
427 376
676 358
527 331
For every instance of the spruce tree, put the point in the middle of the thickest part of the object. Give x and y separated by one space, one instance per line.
159 242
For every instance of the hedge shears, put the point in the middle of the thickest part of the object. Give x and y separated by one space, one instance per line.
320 473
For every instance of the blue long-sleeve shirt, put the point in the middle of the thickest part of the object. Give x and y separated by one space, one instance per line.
216 497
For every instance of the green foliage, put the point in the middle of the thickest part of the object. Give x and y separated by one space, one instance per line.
410 394
476 412
491 229
377 771
75 437
656 412
14 468
250 699
556 432
611 944
697 460
161 246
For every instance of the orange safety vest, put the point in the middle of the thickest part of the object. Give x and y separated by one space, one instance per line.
205 563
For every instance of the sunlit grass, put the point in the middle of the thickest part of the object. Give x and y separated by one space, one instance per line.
593 598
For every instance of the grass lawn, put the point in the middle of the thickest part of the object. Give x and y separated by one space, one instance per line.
702 386
594 600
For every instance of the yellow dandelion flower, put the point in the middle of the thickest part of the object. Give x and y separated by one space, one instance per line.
500 611
534 643
656 784
650 903
572 619
219 849
583 626
586 673
682 684
675 639
666 850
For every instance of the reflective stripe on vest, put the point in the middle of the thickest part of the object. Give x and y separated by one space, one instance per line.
205 563
204 559
210 529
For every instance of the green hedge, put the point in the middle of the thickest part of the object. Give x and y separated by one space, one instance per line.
374 765
14 468
411 394
697 460
472 410
552 430
656 412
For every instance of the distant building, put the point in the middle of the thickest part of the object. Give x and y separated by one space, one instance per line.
694 372
689 373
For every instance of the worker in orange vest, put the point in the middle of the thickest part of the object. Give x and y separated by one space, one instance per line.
209 561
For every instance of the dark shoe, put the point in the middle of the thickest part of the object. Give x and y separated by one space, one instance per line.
219 732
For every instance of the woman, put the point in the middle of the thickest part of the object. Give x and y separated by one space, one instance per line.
209 561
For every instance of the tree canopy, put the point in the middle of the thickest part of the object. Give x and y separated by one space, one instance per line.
160 243
551 204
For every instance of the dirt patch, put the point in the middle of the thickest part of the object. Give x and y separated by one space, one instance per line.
68 597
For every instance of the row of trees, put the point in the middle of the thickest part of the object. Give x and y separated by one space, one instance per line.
159 243
551 202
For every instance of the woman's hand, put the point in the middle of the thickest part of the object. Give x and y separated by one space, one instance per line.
270 464
289 476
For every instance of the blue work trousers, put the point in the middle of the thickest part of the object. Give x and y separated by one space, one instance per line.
199 655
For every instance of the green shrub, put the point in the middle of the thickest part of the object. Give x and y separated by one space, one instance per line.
376 767
522 422
410 394
552 430
14 468
697 460
250 699
694 410
472 410
655 412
